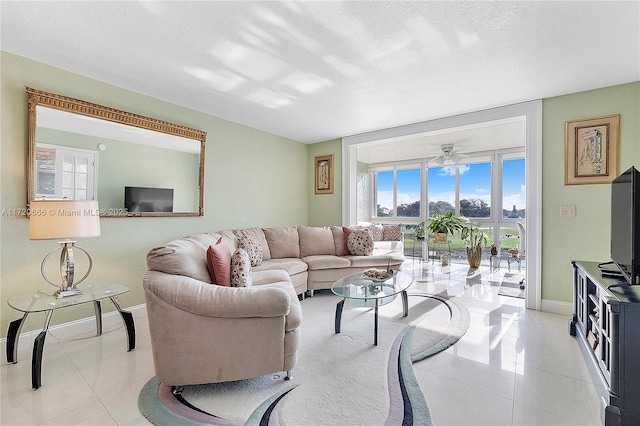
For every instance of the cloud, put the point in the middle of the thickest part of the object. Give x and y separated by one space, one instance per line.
385 199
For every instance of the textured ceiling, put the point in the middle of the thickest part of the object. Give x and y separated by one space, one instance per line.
314 71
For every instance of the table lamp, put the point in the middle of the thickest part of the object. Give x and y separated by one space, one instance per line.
64 219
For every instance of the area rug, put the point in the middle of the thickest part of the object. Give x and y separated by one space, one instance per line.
339 378
510 286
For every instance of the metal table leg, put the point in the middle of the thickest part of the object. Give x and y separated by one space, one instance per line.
338 318
127 319
375 325
97 307
36 357
405 303
13 336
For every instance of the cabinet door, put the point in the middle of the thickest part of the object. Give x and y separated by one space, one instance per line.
605 350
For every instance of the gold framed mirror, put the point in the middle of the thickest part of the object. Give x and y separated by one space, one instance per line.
131 164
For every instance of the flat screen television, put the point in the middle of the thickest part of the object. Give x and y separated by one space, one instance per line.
625 224
140 199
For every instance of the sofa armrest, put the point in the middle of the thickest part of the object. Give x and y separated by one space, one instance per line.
212 300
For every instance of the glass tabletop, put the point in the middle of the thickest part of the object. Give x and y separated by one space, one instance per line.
42 301
358 286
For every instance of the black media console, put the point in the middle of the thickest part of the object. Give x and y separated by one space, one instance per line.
606 322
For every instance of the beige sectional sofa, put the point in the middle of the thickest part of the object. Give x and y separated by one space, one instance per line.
204 333
313 257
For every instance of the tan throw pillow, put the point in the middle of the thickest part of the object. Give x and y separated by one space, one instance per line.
360 243
240 269
253 249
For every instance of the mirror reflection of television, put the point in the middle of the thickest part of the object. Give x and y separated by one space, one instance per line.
625 224
140 199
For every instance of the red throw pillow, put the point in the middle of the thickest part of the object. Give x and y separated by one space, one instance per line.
219 263
346 231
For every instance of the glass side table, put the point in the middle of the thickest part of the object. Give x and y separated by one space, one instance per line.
436 247
42 302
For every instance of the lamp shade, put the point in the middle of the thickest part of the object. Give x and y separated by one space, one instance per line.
55 219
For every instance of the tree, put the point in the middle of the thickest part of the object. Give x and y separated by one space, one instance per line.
409 210
441 207
474 207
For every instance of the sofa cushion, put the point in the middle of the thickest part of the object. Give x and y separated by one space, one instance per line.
376 260
291 265
258 234
324 261
392 233
249 244
219 263
345 235
360 242
283 242
207 238
315 241
240 269
184 256
338 240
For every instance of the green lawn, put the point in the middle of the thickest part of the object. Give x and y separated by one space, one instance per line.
508 240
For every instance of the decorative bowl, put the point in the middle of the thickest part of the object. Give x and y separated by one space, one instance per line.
377 275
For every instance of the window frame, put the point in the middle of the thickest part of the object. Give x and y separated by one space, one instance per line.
394 167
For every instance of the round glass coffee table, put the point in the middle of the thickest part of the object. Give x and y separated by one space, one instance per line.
365 292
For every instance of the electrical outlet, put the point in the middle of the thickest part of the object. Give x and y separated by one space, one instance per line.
567 211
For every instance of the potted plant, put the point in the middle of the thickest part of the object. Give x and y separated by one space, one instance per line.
474 237
421 230
443 224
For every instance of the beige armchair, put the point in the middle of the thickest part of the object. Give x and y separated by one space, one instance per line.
205 333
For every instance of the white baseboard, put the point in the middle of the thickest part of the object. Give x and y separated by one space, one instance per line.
556 307
75 328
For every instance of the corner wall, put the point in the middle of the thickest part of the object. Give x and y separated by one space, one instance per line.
252 178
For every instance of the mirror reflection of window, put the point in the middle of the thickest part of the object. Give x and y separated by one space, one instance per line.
64 172
45 172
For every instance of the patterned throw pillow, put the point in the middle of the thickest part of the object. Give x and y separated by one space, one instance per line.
253 249
360 243
377 231
240 269
392 233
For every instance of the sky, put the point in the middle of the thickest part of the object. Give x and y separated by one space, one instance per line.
475 182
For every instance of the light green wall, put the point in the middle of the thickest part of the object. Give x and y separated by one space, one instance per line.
326 209
587 236
252 178
129 164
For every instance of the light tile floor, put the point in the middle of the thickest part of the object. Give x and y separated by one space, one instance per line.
514 366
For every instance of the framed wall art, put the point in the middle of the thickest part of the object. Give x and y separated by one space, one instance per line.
324 174
592 150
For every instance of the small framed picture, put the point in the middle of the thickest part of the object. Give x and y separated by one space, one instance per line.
324 174
592 150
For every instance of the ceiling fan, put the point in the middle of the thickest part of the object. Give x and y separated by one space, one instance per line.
448 155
